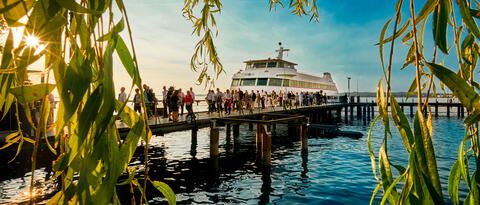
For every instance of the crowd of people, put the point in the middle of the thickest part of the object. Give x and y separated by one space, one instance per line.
238 100
175 101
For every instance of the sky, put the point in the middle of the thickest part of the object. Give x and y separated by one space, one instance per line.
342 42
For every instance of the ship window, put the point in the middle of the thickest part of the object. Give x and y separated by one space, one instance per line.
275 82
259 65
262 81
286 82
235 82
293 83
272 64
248 82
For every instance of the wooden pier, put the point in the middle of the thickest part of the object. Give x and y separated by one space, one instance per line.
266 121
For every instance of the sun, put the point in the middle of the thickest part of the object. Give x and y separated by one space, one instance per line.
32 41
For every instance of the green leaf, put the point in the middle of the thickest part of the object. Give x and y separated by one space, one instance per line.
467 17
127 61
15 10
166 191
74 6
402 124
30 93
454 183
440 23
380 44
460 88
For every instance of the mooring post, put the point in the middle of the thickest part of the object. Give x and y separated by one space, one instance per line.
458 111
411 110
351 113
359 112
193 146
213 139
228 129
364 118
266 146
236 133
373 109
258 137
368 112
463 111
250 126
346 114
401 107
303 136
448 109
436 109
339 115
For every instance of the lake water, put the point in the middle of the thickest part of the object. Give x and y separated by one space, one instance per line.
333 171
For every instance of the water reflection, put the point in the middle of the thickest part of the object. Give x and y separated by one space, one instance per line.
330 171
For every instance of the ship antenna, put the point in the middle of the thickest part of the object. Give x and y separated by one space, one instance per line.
281 50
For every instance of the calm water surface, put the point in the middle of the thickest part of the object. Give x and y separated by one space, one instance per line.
333 171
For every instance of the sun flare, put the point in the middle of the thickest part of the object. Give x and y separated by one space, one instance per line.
32 41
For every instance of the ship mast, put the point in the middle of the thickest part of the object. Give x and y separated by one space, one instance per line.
281 50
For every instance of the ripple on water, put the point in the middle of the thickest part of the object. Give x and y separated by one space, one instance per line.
333 171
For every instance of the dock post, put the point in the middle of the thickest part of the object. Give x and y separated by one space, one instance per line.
346 114
266 146
401 107
436 109
359 112
236 134
373 110
364 118
213 139
228 129
339 115
368 112
250 126
258 138
458 111
193 146
303 136
411 110
463 111
448 109
351 113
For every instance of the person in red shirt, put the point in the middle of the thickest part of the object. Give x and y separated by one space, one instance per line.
188 101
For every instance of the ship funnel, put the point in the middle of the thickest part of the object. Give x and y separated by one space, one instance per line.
327 76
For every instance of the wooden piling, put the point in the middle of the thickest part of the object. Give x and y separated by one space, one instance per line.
250 126
346 114
436 109
193 146
373 110
368 112
274 129
339 115
448 110
458 111
411 110
351 113
266 146
359 112
214 138
463 111
228 129
304 137
258 137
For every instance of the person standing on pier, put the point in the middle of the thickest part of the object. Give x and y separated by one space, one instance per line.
181 95
136 101
174 103
209 99
228 102
164 101
122 96
188 100
252 101
219 100
264 98
169 104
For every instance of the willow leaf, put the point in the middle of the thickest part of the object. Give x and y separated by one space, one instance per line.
467 18
30 93
74 6
454 183
166 191
402 124
440 23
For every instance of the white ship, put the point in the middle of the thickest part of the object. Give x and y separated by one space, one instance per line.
277 74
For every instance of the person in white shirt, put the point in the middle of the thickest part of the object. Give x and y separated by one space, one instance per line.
122 96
